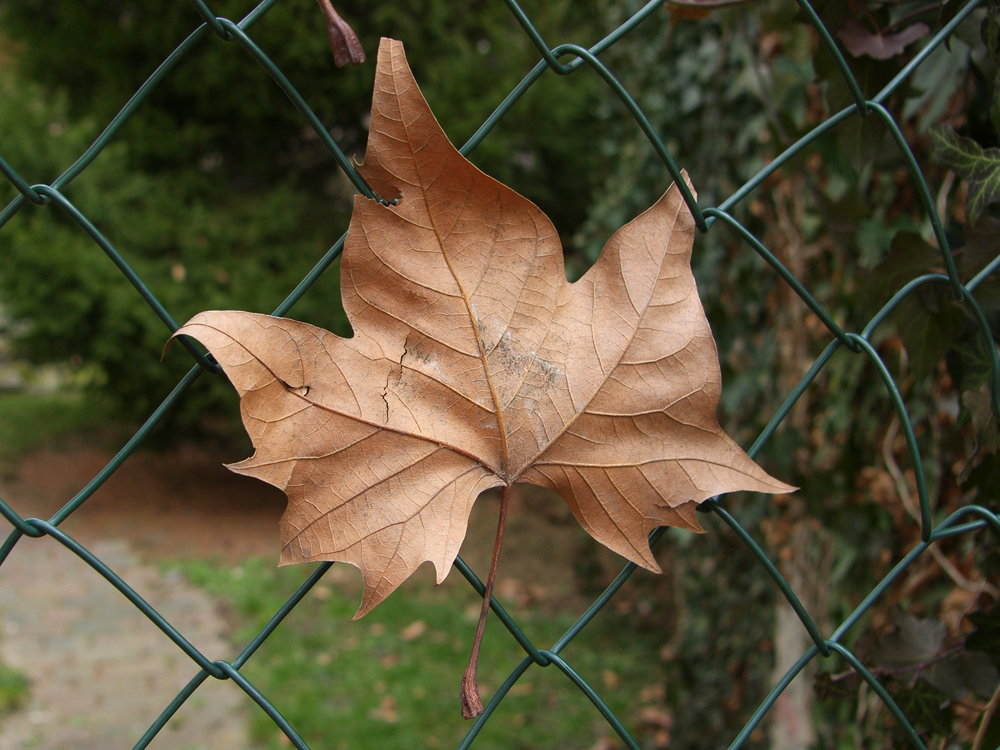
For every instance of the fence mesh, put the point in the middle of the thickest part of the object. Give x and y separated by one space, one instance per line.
562 60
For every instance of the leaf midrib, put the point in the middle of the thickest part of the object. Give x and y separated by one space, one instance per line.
502 470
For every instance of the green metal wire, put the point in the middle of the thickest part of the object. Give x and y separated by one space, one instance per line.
877 592
833 49
772 570
769 700
300 104
18 182
918 59
785 156
495 701
596 699
793 397
213 23
564 60
979 278
541 67
141 604
985 332
642 121
926 524
949 526
925 195
501 614
134 102
239 661
60 200
261 700
161 721
22 528
551 59
879 688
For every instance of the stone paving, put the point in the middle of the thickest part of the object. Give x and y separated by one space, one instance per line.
100 671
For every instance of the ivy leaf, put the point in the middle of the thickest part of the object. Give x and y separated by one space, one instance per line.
929 320
927 709
979 403
979 167
914 641
986 635
909 256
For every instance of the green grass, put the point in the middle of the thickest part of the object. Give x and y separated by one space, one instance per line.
13 689
392 678
31 420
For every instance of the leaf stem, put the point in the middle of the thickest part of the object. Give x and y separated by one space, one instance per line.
472 705
986 720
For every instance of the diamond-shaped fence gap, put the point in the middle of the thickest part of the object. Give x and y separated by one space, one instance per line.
86 158
236 32
787 275
673 171
772 570
95 234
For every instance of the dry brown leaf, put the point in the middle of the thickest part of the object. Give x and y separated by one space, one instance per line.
413 631
860 41
346 46
475 364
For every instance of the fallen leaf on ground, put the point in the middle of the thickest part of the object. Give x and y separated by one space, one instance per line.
386 711
475 364
413 631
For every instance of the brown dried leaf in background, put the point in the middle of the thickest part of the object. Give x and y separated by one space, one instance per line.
346 46
695 10
860 41
475 364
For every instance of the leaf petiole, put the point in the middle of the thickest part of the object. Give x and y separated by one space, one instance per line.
472 705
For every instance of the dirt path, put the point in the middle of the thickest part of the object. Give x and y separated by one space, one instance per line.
100 671
174 504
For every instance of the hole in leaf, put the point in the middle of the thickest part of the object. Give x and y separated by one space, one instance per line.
298 391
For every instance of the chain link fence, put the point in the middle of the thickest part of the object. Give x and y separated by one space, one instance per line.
562 60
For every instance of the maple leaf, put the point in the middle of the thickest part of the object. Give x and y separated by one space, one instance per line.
475 364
